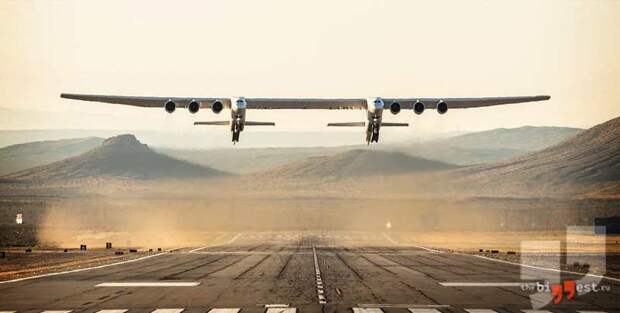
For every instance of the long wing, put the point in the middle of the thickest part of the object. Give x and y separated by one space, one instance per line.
145 102
301 103
461 103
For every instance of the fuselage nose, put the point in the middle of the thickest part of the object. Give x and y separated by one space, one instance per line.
375 105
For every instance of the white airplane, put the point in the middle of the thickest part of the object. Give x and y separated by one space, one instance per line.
374 107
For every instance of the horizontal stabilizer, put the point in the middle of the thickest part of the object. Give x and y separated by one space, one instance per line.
218 123
349 124
394 124
250 123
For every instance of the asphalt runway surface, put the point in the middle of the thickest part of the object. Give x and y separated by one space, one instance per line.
289 272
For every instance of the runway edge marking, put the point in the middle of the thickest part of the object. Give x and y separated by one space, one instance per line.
233 239
410 245
81 269
539 267
504 261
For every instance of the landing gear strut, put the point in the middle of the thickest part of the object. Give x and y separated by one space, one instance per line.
372 133
237 127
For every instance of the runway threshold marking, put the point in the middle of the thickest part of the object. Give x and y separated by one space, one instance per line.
111 311
225 310
79 270
169 310
367 310
423 310
535 311
217 245
150 284
483 284
69 311
281 310
480 311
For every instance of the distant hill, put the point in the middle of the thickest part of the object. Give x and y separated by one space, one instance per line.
592 157
23 156
473 148
121 156
356 163
489 146
250 160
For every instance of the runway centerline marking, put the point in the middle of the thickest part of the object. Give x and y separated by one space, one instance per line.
151 284
319 282
80 270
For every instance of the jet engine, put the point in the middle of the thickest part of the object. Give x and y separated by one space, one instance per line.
442 107
217 107
170 106
193 106
395 108
418 108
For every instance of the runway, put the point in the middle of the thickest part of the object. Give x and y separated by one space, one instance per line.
289 272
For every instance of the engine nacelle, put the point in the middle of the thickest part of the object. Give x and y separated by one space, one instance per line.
418 108
217 107
193 106
170 106
395 108
442 107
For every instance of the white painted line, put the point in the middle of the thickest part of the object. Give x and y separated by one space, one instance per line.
235 310
423 310
410 245
169 310
80 270
151 284
537 267
591 312
217 245
375 305
111 311
281 310
367 310
480 311
56 311
483 284
277 305
535 311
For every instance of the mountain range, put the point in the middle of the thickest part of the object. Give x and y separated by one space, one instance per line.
120 156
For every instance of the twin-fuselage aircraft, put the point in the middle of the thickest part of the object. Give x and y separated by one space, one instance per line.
239 105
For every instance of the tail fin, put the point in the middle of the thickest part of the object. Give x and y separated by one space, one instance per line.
349 124
218 123
250 123
394 124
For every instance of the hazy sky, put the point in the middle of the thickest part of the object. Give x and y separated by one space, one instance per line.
568 49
